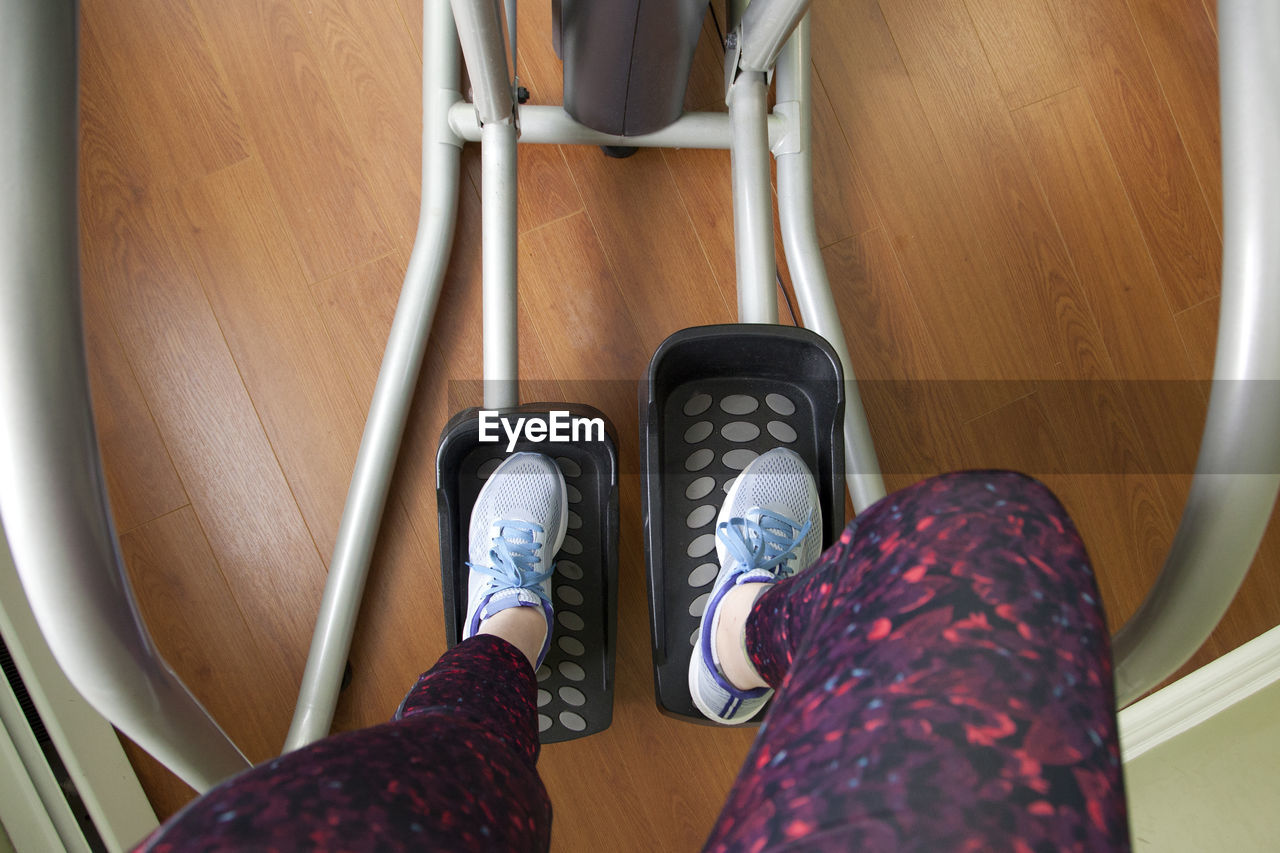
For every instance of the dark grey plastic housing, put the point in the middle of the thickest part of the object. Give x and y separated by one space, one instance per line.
626 62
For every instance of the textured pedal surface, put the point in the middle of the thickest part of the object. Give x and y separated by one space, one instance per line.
718 397
575 682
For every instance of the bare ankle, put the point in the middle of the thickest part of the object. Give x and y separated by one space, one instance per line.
523 627
730 637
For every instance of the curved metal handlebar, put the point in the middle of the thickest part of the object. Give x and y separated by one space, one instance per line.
1238 472
52 498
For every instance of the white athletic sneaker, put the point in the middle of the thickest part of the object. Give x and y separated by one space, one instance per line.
517 525
769 528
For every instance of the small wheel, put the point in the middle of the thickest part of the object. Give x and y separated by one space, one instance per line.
618 152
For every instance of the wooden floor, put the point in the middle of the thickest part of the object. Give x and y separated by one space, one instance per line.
1019 205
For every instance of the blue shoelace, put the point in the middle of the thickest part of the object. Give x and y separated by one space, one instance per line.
770 542
514 563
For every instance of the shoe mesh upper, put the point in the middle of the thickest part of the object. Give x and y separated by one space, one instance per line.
525 490
779 482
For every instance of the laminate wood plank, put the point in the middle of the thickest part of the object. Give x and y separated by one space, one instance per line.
704 181
842 205
1129 506
1018 437
358 306
205 417
914 416
1104 237
1211 9
574 304
654 253
1143 140
572 296
395 639
1198 328
1024 49
927 218
312 417
1105 240
680 805
411 13
373 71
1180 40
176 578
958 92
187 124
141 482
545 190
167 580
240 246
298 131
1256 604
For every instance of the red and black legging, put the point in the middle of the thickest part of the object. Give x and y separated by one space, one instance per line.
944 683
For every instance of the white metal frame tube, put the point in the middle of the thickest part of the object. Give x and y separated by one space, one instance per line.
1238 471
498 195
794 154
757 269
552 125
479 25
52 498
766 25
393 394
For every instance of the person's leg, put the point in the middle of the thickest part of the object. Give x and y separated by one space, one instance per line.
943 682
455 770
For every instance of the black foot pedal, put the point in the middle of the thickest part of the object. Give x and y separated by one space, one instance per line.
575 682
717 397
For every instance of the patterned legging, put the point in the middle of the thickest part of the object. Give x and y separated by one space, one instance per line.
944 683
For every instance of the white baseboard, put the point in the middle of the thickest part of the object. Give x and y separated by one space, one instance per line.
1195 698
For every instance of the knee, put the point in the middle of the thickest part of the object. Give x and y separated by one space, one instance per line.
991 488
994 493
